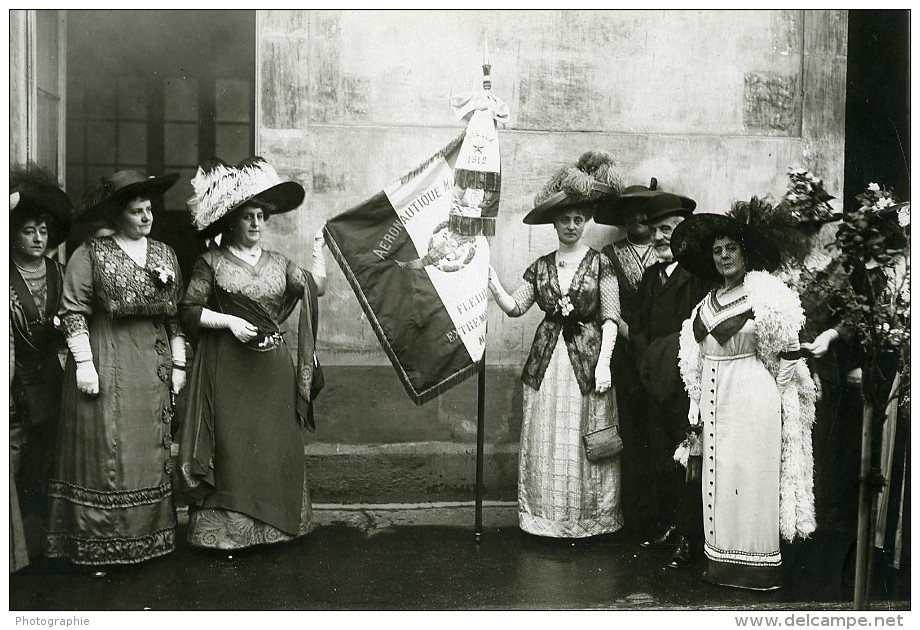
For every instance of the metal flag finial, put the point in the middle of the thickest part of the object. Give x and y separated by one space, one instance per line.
486 66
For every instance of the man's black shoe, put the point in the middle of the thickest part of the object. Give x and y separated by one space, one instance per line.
665 540
682 556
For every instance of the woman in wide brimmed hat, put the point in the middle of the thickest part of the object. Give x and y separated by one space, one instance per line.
111 495
752 397
40 216
631 254
245 394
567 388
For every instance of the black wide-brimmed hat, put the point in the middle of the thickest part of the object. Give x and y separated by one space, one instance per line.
220 189
35 193
634 199
693 238
659 205
582 185
110 193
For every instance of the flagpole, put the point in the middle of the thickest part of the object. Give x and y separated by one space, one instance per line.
481 389
480 431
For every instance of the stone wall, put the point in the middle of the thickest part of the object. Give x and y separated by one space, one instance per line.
715 104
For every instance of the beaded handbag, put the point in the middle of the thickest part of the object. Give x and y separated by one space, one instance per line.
603 443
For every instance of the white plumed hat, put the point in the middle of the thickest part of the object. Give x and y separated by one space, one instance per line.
219 189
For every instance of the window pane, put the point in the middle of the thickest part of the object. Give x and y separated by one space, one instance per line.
181 143
176 196
132 143
75 95
100 141
132 98
180 99
46 54
100 97
76 130
233 142
75 185
233 100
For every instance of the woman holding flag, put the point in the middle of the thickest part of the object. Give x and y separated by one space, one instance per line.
241 449
564 490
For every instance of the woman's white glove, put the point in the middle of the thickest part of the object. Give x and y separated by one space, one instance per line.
784 375
177 349
318 268
504 301
602 376
87 377
693 416
822 343
178 380
241 329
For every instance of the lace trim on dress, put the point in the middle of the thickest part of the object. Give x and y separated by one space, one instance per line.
125 288
264 282
74 324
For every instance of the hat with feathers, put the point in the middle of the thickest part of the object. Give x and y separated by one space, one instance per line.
693 238
35 192
109 194
219 189
595 176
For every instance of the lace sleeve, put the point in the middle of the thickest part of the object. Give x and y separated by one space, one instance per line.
524 296
610 291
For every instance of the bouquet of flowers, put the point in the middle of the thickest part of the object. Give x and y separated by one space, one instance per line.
879 313
805 198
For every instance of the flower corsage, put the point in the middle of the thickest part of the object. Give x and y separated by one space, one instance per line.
162 276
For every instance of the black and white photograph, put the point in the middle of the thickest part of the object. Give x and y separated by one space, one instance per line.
448 310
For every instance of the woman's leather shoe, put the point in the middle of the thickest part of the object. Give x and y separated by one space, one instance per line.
666 539
682 556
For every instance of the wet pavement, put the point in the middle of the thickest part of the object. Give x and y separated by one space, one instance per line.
352 563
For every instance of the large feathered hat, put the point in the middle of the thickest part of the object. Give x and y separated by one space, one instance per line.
693 238
35 193
109 194
595 176
219 189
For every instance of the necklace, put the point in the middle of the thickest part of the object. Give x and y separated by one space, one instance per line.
253 254
38 267
735 285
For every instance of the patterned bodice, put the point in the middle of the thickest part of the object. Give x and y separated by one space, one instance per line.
274 282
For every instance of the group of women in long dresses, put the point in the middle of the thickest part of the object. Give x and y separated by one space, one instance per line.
127 317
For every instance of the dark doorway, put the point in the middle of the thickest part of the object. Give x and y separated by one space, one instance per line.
878 103
159 91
